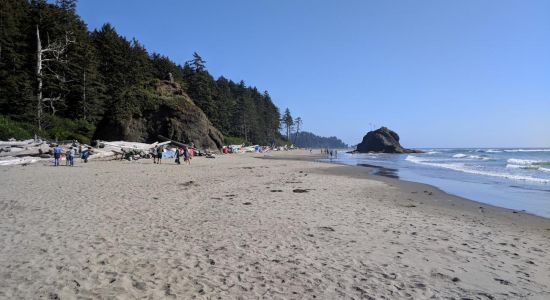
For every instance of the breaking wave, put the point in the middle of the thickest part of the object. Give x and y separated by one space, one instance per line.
472 170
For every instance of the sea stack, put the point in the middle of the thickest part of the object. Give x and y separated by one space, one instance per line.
382 140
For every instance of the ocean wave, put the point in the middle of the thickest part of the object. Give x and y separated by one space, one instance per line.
493 151
481 157
466 169
432 152
512 166
527 162
527 150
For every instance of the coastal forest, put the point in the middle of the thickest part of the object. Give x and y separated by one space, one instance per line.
304 139
61 81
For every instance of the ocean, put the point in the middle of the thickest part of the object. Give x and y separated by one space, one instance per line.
518 179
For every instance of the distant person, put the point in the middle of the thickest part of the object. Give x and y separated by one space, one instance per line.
178 155
67 153
154 154
191 153
330 153
159 155
57 154
335 153
85 154
186 155
72 153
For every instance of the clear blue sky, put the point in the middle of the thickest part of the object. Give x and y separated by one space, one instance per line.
440 73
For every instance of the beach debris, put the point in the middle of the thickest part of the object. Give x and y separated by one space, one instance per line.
326 228
502 281
13 161
300 191
247 203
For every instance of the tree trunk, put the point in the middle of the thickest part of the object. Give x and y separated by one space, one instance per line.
39 78
84 104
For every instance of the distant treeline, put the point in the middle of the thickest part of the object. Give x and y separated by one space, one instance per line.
306 139
60 80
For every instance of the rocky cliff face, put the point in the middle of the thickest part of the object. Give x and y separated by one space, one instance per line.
382 140
159 108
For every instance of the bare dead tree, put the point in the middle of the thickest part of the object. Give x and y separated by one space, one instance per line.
54 52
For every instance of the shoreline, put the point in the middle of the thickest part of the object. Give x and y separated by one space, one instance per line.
378 173
242 227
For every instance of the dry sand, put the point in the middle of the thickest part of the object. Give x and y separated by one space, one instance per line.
239 227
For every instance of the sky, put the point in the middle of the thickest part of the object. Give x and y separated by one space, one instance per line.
469 73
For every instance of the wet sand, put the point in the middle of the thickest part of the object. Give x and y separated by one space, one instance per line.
240 227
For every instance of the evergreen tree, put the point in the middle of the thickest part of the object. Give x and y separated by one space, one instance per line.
100 76
288 121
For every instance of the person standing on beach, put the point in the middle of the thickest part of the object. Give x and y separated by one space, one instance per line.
154 154
186 156
67 154
159 154
57 154
191 154
72 153
178 155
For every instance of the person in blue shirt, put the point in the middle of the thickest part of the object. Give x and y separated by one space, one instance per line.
57 154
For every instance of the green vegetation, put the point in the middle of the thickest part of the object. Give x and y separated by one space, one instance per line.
233 140
100 85
58 129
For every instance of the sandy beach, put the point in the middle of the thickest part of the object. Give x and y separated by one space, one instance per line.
273 226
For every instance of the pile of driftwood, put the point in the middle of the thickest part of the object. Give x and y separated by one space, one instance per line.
15 152
32 147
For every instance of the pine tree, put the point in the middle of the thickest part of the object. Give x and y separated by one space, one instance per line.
289 122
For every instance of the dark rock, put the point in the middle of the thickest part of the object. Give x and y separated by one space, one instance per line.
159 108
382 140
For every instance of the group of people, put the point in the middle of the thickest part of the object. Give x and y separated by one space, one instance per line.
185 152
330 153
69 155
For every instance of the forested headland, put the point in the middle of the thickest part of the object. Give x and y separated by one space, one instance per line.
61 81
306 139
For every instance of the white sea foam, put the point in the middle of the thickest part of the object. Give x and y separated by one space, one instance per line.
432 152
527 162
527 150
460 155
493 151
512 166
468 169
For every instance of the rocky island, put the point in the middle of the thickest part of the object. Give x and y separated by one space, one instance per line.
382 140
